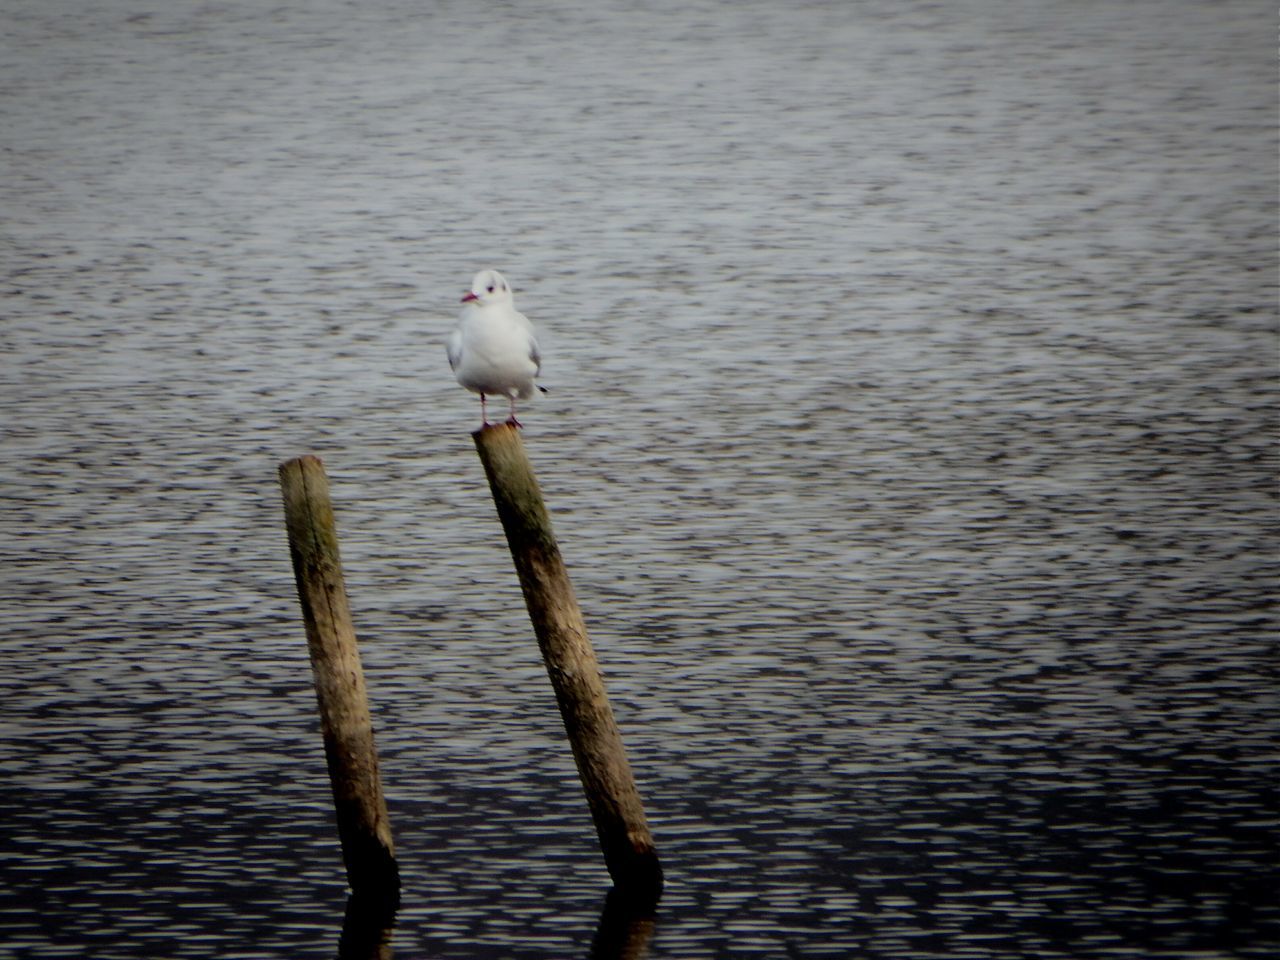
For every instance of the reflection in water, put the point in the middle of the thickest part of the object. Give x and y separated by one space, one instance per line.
367 928
625 929
624 932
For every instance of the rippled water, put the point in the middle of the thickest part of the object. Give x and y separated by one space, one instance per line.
911 444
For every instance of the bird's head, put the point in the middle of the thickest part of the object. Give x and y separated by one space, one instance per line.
488 286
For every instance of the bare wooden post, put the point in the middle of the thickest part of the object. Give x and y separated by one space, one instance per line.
615 804
363 826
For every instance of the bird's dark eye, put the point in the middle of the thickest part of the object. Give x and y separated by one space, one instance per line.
491 288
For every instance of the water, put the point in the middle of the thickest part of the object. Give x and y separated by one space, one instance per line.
910 442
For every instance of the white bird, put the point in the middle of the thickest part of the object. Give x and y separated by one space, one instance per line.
493 351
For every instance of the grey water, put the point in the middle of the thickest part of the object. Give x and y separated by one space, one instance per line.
910 441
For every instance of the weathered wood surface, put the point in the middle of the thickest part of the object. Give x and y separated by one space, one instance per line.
607 779
363 826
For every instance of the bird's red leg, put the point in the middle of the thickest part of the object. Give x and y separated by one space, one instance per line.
512 419
484 417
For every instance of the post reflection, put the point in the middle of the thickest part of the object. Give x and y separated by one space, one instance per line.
625 929
367 927
624 932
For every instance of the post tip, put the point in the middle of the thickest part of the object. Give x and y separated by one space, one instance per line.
304 460
493 429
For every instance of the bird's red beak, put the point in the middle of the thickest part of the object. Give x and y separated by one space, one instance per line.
469 296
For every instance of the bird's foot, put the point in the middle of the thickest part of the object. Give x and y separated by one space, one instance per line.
513 422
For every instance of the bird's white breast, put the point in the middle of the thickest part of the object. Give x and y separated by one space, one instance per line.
495 351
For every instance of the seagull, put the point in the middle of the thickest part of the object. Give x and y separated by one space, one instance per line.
492 350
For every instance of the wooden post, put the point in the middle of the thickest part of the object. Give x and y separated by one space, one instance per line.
363 826
615 804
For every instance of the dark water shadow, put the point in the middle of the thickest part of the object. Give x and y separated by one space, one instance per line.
625 929
624 932
367 927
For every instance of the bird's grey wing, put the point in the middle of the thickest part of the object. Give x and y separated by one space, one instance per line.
454 349
535 355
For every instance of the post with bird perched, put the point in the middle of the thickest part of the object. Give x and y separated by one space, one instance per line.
363 826
612 796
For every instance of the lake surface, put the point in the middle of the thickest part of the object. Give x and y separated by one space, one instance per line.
911 443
